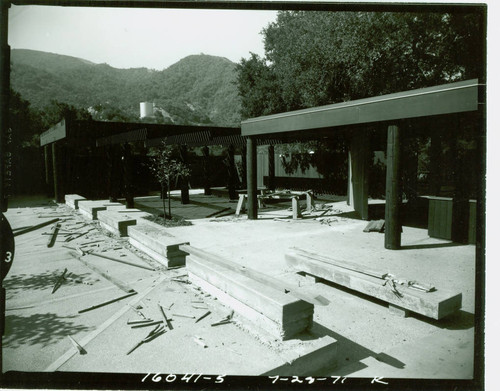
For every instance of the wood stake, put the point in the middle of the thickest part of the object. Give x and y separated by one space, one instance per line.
35 227
203 316
107 302
167 321
55 231
78 347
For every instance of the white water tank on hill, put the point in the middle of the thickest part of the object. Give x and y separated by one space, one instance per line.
146 109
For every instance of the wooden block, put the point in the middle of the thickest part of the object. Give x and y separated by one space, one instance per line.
296 208
398 311
240 208
436 305
276 312
72 200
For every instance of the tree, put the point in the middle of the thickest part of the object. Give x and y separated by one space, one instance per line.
315 58
167 169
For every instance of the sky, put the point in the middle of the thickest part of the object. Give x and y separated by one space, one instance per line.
131 38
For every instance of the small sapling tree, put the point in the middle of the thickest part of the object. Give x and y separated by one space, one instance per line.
167 170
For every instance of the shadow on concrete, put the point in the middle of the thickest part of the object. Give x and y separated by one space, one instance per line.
460 320
431 245
42 329
349 353
22 282
30 201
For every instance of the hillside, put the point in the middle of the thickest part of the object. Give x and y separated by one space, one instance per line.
198 89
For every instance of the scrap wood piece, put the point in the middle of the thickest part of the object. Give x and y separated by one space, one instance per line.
52 238
200 342
35 227
139 321
167 321
121 261
152 335
78 347
375 226
54 366
203 316
107 302
254 274
147 324
343 264
120 284
59 281
218 211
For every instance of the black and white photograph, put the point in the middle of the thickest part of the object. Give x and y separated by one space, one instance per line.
243 194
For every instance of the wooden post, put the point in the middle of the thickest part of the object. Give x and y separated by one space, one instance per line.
184 181
231 173
251 178
244 165
435 164
206 170
128 175
272 177
393 189
48 166
55 174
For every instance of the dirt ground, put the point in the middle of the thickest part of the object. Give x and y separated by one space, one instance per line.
371 341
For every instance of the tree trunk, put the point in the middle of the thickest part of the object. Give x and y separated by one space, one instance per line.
163 200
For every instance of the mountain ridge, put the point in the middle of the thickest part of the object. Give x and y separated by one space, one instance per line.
198 89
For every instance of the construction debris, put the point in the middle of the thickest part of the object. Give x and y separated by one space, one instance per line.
159 330
55 231
107 302
147 324
203 316
200 342
77 346
184 316
375 226
139 321
121 261
59 281
35 227
167 321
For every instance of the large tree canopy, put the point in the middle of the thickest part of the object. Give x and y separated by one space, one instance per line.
317 58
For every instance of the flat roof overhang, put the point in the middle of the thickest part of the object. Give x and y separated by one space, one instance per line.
459 97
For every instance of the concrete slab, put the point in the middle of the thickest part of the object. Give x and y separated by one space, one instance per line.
89 209
72 200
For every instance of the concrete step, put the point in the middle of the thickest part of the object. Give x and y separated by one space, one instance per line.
155 241
279 314
72 200
436 304
89 209
117 222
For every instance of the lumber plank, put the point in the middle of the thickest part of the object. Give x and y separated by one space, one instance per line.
254 274
35 227
120 261
436 305
343 264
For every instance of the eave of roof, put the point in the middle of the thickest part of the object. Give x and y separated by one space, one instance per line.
444 99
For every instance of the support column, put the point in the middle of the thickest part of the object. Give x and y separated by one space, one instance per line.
272 175
393 189
359 153
435 164
206 170
48 165
244 166
128 175
252 178
231 173
460 209
184 181
56 174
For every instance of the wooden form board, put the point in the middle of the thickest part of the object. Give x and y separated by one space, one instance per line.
436 305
